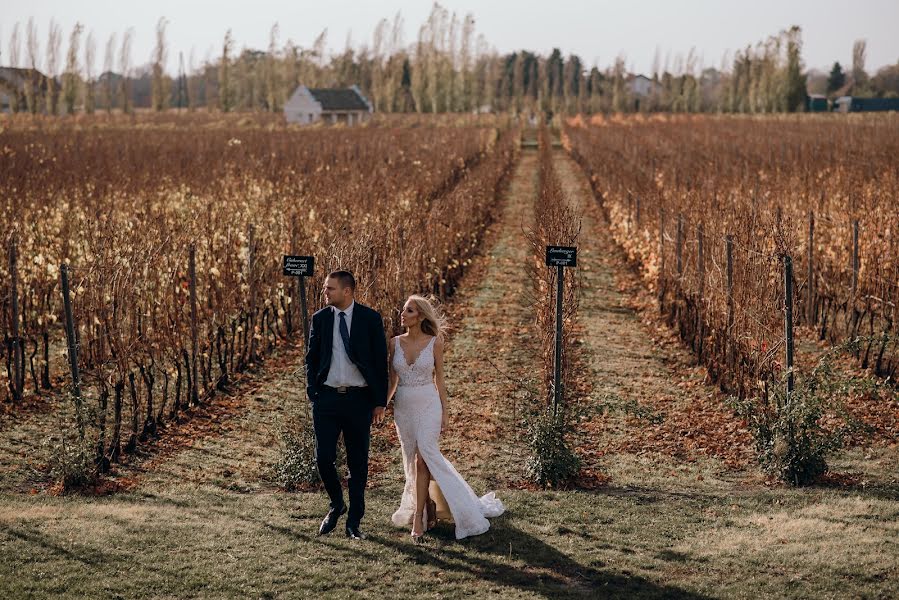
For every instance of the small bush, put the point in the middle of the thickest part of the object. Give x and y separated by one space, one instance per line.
553 463
791 442
297 468
73 456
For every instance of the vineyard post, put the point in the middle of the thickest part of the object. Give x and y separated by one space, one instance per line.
559 257
700 267
300 267
18 377
557 359
627 223
638 211
72 346
810 307
788 320
252 281
855 268
301 281
293 248
680 244
729 250
194 329
855 263
661 252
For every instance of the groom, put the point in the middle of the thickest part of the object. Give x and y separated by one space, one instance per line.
346 380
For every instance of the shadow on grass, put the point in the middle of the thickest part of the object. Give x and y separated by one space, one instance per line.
79 553
547 571
493 558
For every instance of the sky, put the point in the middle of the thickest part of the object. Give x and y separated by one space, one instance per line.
598 31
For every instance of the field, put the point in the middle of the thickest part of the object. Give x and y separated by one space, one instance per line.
159 475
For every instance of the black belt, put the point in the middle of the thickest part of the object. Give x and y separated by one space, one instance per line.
343 389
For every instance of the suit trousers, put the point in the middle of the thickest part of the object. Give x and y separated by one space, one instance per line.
350 414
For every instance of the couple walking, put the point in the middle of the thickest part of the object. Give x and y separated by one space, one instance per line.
351 373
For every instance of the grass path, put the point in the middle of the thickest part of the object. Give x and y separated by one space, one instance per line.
494 348
653 397
202 518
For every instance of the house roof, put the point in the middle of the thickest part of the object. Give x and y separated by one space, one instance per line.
15 77
339 99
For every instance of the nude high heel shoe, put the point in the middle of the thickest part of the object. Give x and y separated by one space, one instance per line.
431 514
417 535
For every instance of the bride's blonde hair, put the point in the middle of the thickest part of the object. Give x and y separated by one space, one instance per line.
433 321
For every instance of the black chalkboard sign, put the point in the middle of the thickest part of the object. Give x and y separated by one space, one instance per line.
561 256
299 266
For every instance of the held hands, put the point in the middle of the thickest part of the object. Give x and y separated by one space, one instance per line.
377 415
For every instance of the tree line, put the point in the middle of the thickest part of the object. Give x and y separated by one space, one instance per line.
449 67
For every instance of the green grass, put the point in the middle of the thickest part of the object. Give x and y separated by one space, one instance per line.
657 531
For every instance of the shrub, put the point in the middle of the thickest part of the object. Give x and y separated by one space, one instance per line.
553 463
791 441
296 468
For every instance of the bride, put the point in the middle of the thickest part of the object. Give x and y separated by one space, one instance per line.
420 412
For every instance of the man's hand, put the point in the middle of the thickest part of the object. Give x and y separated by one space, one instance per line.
378 415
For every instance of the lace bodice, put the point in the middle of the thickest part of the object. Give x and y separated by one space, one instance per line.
420 372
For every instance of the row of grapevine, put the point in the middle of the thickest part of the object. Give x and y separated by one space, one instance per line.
708 208
133 213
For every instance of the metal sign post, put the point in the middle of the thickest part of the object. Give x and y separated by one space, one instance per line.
300 267
559 257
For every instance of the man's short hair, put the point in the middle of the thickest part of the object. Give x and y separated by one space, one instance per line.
345 278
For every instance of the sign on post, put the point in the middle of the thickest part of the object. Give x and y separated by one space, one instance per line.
300 267
559 257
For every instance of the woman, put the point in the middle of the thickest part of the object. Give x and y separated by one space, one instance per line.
420 412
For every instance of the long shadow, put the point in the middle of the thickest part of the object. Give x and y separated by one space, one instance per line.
549 572
85 555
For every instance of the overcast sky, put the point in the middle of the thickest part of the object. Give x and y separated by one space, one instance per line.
596 30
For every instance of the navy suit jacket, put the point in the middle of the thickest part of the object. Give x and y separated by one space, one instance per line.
368 351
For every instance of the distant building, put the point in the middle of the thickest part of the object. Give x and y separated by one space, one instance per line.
817 103
12 87
642 86
852 104
328 105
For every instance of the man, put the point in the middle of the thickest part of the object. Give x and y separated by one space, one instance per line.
346 380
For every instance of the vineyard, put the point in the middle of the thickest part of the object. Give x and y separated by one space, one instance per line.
173 242
708 208
157 410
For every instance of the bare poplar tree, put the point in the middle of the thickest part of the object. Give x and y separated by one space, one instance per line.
71 76
109 93
419 69
192 96
464 85
448 72
225 96
319 47
859 55
160 56
396 67
126 102
15 48
272 73
90 51
54 43
33 49
377 70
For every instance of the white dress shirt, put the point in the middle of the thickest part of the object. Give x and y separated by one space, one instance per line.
342 371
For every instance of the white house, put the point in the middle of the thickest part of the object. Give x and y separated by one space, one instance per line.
642 86
330 105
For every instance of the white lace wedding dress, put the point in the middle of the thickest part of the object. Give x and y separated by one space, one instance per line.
417 412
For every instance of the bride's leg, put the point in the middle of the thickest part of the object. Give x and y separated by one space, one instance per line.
422 479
